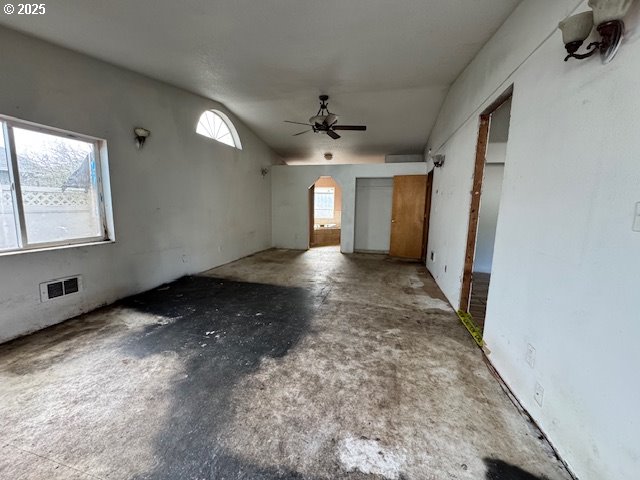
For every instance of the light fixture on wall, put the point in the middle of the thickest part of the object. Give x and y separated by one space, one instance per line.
141 135
607 15
438 160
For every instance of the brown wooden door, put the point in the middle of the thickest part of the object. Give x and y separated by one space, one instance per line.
408 216
312 198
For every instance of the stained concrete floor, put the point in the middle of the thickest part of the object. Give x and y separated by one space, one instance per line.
283 365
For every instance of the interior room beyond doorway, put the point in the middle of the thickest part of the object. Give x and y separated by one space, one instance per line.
326 201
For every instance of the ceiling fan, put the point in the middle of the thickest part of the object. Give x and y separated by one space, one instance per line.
326 122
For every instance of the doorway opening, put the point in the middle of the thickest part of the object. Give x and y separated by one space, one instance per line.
325 213
485 206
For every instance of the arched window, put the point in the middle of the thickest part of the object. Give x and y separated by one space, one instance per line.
216 125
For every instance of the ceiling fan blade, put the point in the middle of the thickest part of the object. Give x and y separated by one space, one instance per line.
350 127
300 133
298 123
333 134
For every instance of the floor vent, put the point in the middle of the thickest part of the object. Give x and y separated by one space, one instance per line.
60 288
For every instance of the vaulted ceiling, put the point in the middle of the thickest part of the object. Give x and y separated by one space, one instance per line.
385 63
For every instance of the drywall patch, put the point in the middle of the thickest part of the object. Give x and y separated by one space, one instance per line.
367 456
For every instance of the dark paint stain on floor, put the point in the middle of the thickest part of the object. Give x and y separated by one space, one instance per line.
500 470
222 330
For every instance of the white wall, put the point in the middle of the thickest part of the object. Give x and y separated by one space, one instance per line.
496 152
374 198
488 218
290 185
404 158
566 263
182 204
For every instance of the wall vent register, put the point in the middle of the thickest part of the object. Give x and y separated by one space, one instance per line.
60 288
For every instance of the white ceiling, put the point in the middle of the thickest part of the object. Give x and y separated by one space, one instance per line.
385 63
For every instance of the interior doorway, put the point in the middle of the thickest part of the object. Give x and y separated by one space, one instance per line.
485 206
325 213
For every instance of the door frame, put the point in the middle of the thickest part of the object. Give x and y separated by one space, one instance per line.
427 216
311 213
476 194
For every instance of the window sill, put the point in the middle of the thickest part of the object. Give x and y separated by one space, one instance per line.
56 247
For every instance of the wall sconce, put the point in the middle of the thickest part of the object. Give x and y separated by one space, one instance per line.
141 135
607 15
438 160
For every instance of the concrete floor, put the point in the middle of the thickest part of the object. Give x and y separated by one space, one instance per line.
283 365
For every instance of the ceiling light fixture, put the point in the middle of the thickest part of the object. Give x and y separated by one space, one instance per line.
607 15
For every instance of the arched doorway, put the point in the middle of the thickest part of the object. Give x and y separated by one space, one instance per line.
325 213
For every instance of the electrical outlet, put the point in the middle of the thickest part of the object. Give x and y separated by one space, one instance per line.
538 394
636 218
531 355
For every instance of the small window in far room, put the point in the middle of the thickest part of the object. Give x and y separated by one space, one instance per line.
324 200
216 125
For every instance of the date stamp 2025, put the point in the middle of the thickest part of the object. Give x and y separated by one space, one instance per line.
24 8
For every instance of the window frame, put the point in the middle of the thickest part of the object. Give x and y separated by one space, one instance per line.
329 191
99 150
233 131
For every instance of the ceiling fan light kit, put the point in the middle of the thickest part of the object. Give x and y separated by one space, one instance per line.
326 122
